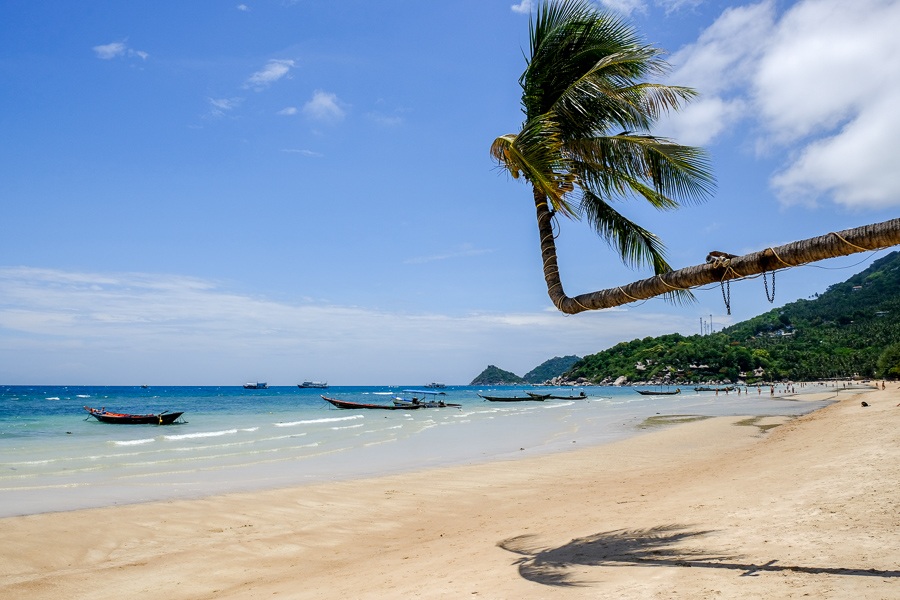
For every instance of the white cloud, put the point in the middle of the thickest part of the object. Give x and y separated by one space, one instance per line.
856 166
718 66
125 327
324 106
288 111
110 51
272 72
466 251
817 83
675 5
219 107
524 7
243 7
116 49
303 152
385 120
829 83
625 7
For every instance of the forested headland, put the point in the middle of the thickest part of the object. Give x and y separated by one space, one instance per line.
850 330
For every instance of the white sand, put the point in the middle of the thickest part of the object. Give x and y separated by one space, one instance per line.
708 509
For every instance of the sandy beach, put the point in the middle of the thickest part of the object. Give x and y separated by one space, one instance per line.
718 508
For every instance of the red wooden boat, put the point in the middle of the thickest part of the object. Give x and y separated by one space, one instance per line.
348 404
104 416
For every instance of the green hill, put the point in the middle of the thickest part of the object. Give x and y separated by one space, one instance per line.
496 376
549 369
851 329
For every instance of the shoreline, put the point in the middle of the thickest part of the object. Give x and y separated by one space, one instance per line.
292 444
769 508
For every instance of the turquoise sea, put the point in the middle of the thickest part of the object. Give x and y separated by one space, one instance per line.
54 457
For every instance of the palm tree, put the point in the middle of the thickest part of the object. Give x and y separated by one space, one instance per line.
585 143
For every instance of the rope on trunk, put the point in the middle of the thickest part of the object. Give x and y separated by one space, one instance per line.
838 236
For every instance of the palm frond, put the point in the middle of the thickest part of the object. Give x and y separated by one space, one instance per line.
536 154
664 173
590 108
637 246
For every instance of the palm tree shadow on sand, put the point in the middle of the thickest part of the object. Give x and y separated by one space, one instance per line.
660 547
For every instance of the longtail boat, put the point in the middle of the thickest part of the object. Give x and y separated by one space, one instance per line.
348 404
544 396
536 398
652 393
423 399
104 416
581 396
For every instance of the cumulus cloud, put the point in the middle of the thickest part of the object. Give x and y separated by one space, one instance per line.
269 74
718 66
324 106
815 83
288 111
523 7
117 49
121 326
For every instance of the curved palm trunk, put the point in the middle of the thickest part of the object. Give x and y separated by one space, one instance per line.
548 254
841 243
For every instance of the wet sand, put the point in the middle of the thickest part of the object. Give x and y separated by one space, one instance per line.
716 508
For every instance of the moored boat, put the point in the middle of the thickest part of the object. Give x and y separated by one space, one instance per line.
347 404
428 400
659 393
537 398
581 396
104 416
313 384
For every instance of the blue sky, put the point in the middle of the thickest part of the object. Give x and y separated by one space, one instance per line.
218 192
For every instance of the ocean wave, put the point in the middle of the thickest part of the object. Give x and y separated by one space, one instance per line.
317 421
206 434
358 425
557 405
134 442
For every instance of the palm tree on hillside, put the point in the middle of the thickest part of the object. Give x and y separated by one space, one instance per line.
585 144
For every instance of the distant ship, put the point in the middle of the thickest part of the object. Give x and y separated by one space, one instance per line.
259 385
435 385
313 384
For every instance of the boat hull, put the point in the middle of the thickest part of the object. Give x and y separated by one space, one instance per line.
513 398
346 404
104 416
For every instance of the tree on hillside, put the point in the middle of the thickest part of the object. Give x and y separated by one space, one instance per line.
889 362
585 145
